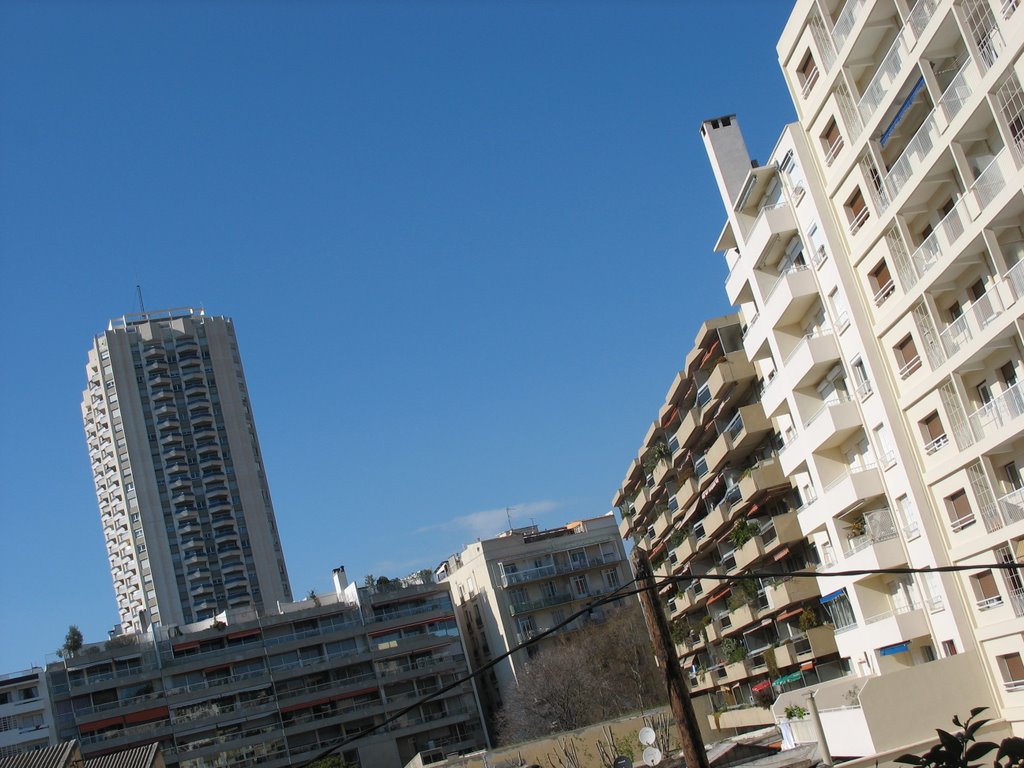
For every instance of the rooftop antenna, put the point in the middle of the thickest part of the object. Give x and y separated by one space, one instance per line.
508 516
138 291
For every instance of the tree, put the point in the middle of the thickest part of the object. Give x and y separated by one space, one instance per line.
961 749
73 642
602 671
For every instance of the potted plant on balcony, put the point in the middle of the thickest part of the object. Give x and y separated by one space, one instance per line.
656 453
809 620
857 526
733 650
742 532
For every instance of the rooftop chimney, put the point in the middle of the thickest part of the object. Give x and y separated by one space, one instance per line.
340 580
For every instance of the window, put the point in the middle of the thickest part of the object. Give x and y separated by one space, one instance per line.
933 432
908 518
840 611
958 507
986 593
883 444
807 74
611 578
860 378
1012 669
579 585
949 647
1012 474
881 282
1008 374
840 314
831 141
27 694
906 356
819 253
856 211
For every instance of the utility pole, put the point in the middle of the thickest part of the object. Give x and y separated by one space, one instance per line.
825 755
694 752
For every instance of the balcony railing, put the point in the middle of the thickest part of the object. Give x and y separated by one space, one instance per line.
845 22
833 151
950 103
994 414
1012 506
910 366
937 444
962 522
988 603
510 578
809 81
884 77
858 220
890 613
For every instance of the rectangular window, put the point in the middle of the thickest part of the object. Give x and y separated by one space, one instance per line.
906 356
933 433
958 507
881 281
1012 670
856 211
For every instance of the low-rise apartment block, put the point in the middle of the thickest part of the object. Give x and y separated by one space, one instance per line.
25 718
511 587
275 690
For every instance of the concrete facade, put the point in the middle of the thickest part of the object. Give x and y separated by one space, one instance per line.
706 494
875 260
276 689
182 491
513 586
25 718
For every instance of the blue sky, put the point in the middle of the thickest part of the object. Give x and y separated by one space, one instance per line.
466 246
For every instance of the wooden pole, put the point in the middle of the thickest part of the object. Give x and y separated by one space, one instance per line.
694 752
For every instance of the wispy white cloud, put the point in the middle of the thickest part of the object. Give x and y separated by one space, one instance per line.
490 522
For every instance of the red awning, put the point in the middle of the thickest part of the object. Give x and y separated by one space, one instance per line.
185 646
789 614
244 633
146 715
688 661
303 705
719 596
806 666
781 554
99 725
360 692
761 686
670 416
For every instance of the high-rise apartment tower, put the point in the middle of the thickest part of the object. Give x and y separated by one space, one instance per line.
182 490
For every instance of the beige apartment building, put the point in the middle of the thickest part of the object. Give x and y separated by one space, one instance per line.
875 263
706 493
524 581
182 491
276 688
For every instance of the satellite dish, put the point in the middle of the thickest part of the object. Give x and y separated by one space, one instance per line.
647 736
652 756
622 762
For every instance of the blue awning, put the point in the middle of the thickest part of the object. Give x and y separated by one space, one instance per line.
832 596
891 650
903 111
